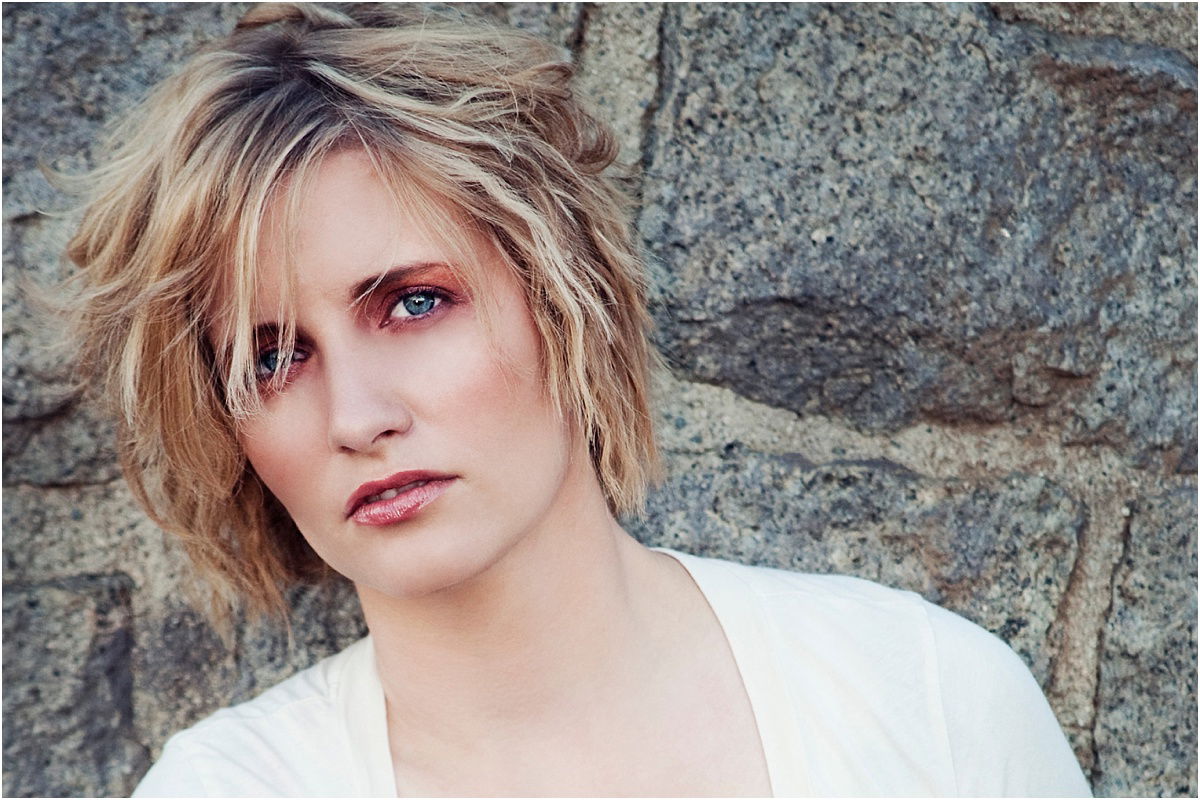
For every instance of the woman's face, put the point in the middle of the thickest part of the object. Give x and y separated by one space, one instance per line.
411 448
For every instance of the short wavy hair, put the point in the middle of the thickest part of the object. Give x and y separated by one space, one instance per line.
477 119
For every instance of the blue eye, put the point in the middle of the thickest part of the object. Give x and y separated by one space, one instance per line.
416 304
268 363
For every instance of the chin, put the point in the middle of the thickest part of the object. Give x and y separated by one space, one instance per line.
419 569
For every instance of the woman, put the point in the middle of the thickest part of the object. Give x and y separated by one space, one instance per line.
366 305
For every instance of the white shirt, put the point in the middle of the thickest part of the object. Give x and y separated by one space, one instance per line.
856 689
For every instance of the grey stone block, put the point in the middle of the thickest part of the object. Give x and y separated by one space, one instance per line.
182 669
56 534
921 213
619 69
1170 25
86 62
70 68
1146 715
37 377
69 723
75 447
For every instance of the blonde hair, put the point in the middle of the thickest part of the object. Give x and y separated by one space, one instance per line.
480 119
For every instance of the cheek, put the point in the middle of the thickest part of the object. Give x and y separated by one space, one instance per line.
500 399
479 404
273 448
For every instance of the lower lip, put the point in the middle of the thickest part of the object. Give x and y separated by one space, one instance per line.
403 506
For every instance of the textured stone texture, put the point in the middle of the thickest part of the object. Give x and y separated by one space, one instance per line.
933 214
73 446
926 275
618 68
67 689
1151 631
68 69
1171 25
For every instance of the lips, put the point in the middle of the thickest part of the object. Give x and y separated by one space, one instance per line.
396 498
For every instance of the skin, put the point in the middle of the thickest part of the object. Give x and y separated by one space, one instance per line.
542 649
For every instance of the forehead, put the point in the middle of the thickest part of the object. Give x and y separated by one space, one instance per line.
341 223
331 226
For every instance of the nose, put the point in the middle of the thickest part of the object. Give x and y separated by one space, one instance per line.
365 408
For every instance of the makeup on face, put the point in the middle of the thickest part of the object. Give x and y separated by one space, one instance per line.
412 444
412 294
397 498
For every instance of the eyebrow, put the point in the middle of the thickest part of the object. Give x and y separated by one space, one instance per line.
361 291
364 288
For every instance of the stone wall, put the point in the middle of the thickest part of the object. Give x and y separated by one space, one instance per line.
926 278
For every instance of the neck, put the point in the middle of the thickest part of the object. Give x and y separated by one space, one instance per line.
563 617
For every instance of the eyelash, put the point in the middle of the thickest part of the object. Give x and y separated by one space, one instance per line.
441 299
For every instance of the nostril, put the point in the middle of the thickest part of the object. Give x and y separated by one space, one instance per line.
362 413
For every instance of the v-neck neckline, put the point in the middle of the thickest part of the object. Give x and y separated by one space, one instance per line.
750 639
365 717
747 633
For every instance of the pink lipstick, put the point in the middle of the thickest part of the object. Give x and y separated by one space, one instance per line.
397 498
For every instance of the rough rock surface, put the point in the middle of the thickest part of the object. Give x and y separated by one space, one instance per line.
1168 25
935 214
1151 631
68 694
926 277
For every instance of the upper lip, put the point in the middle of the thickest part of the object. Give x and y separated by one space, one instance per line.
391 482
